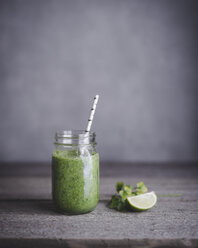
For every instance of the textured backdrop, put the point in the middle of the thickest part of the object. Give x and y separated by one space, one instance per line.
140 56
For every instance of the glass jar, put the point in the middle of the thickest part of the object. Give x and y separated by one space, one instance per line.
75 172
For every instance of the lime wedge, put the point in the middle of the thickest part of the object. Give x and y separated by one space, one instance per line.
143 201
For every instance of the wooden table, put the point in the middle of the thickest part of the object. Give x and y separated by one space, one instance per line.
28 218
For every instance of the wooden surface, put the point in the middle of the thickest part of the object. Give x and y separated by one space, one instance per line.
28 218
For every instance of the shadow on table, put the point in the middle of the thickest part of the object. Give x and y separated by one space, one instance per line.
45 207
31 206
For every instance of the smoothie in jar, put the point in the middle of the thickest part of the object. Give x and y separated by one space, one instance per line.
75 174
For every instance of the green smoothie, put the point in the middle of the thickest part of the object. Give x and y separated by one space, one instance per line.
75 181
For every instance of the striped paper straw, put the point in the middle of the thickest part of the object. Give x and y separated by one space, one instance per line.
92 114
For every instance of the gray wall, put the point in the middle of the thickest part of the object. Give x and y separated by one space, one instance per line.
140 56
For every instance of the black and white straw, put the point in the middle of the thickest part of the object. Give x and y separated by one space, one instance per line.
92 114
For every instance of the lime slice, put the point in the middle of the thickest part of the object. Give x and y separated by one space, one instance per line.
143 201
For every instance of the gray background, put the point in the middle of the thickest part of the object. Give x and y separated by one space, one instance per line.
140 56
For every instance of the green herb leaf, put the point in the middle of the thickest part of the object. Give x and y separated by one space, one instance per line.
125 192
119 186
141 188
114 201
121 206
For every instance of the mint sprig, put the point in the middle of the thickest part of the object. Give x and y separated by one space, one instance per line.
118 201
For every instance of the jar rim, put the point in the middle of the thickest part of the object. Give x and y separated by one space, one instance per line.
75 137
74 134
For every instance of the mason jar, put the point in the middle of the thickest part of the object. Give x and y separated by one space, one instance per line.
75 172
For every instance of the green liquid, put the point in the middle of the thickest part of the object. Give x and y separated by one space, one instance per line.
75 182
